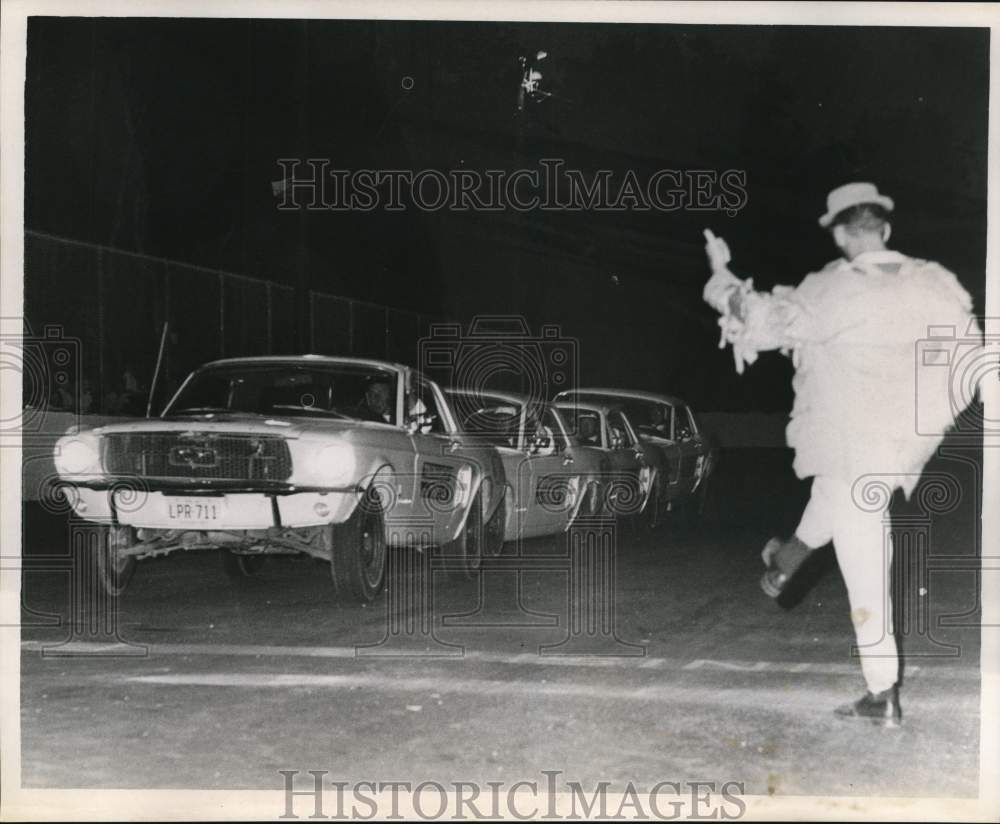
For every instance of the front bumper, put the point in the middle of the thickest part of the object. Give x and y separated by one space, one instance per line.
214 506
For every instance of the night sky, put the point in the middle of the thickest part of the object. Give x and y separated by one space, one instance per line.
162 136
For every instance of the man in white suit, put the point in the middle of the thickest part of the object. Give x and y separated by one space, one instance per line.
852 331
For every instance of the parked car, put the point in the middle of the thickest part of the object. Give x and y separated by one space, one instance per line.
552 478
337 458
670 425
635 467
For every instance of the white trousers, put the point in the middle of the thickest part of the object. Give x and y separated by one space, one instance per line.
864 553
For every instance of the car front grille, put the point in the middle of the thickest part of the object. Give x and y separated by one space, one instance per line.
203 455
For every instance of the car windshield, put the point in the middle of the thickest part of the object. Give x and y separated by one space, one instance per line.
495 421
648 416
291 390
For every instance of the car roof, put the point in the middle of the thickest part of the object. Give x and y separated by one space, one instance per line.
507 397
589 403
370 363
632 394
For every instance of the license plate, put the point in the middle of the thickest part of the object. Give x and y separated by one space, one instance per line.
196 510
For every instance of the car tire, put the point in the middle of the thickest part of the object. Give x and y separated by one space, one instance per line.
591 506
700 500
358 551
583 510
653 515
602 506
240 567
110 574
493 533
465 553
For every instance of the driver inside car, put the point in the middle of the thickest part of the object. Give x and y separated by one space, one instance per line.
589 431
659 420
376 404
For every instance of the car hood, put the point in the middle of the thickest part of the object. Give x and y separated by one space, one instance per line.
243 423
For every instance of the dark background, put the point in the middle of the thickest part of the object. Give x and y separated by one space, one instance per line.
151 147
162 136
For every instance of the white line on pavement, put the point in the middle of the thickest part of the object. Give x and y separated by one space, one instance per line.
665 692
82 648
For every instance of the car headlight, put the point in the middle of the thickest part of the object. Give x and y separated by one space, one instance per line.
78 454
333 465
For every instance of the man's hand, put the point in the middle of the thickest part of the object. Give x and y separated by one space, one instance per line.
717 250
721 284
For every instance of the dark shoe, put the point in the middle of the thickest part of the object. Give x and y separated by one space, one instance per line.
782 559
881 709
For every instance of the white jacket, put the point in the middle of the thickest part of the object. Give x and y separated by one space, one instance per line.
868 400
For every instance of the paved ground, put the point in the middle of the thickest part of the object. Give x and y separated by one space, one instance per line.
706 679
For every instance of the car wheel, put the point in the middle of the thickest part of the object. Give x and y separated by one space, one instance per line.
358 551
466 551
590 506
239 567
602 507
494 531
584 509
623 497
653 514
112 571
700 502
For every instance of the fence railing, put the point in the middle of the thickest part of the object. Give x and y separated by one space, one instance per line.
111 305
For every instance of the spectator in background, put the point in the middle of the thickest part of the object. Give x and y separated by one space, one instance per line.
127 397
86 397
62 397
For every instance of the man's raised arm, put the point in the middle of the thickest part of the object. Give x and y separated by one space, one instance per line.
751 321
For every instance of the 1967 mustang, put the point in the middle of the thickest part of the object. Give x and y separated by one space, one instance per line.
337 458
669 426
552 478
604 425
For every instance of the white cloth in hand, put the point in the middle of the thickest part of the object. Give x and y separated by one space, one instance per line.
718 287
